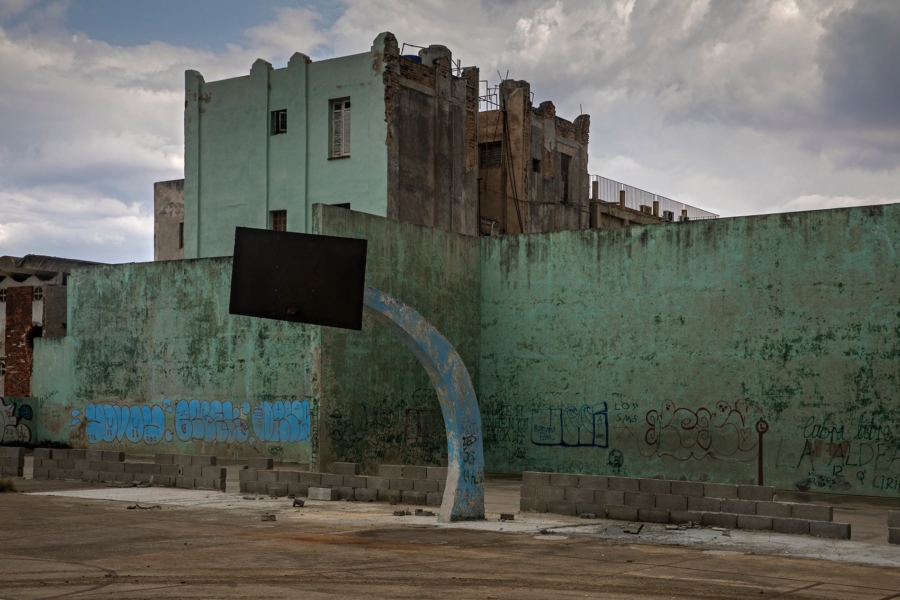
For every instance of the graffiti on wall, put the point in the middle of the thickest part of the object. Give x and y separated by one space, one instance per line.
196 421
724 432
13 429
571 426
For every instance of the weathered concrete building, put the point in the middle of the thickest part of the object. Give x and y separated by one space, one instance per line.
168 220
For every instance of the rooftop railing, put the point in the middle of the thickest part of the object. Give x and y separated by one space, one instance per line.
610 191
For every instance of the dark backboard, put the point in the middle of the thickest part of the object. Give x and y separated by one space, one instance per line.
315 279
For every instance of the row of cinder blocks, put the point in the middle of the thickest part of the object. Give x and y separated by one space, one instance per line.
410 472
894 526
672 502
649 486
301 481
194 460
373 495
93 455
12 461
710 519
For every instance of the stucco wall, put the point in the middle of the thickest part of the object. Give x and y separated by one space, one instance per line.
656 350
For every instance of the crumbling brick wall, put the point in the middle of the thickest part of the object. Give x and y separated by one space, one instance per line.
19 353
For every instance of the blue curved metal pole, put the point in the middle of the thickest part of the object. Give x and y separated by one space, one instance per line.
464 492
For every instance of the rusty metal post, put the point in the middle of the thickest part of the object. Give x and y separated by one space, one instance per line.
464 492
622 198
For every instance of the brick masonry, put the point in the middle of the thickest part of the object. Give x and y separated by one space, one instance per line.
19 355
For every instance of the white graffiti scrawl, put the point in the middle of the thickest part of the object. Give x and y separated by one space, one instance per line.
11 429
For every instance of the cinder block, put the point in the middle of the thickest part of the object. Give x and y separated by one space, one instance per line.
129 467
54 474
242 487
653 515
42 453
701 504
287 477
564 479
893 535
562 508
140 477
624 484
640 500
720 490
257 487
796 526
415 497
164 459
389 495
50 463
415 472
88 475
535 478
260 463
221 485
528 491
73 474
434 498
345 468
113 466
202 460
182 459
106 476
191 471
532 505
37 463
378 483
279 490
655 486
550 494
150 468
390 471
344 492
184 482
812 512
757 493
267 476
670 502
75 454
172 470
739 507
10 462
685 516
437 473
322 493
60 455
441 486
425 485
124 477
206 483
65 465
298 489
40 473
13 471
13 452
609 497
328 479
92 455
365 494
404 485
579 495
113 456
598 510
310 478
715 519
622 513
98 465
354 481
774 509
754 522
593 482
687 488
893 517
838 531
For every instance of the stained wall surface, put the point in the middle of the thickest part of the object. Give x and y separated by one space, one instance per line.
667 350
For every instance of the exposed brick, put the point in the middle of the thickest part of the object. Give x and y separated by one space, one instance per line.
564 479
653 515
796 526
404 485
714 519
532 505
838 531
774 509
391 471
655 486
720 490
622 513
812 512
19 357
670 502
579 495
685 516
345 468
562 508
624 484
609 497
550 494
414 472
437 473
754 522
739 507
701 504
535 478
757 493
260 463
365 494
598 510
425 485
593 482
378 483
640 500
410 497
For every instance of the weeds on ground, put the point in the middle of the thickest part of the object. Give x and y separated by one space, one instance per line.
6 485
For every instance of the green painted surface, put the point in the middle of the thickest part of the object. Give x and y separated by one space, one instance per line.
656 350
236 171
151 335
378 405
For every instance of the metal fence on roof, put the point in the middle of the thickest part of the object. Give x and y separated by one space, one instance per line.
609 191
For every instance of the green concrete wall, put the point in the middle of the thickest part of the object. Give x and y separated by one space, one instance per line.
378 405
657 350
236 171
153 362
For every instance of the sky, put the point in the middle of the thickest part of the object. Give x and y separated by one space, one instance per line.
737 107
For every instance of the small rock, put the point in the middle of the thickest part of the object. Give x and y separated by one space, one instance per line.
507 516
399 513
298 502
249 498
726 533
267 518
428 513
419 512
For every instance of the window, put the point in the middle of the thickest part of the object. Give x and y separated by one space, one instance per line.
343 205
3 295
536 165
564 161
490 153
340 128
180 236
38 294
279 220
279 122
2 367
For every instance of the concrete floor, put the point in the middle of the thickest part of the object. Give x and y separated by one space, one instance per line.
76 540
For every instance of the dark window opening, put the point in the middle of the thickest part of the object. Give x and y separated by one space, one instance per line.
536 165
3 295
564 161
34 332
180 236
340 128
38 294
279 220
490 153
279 122
2 367
343 205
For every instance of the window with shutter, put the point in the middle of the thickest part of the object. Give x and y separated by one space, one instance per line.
340 128
490 153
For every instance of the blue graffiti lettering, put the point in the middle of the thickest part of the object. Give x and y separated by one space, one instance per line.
111 423
211 421
281 421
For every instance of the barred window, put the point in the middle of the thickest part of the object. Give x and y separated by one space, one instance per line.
279 220
490 153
